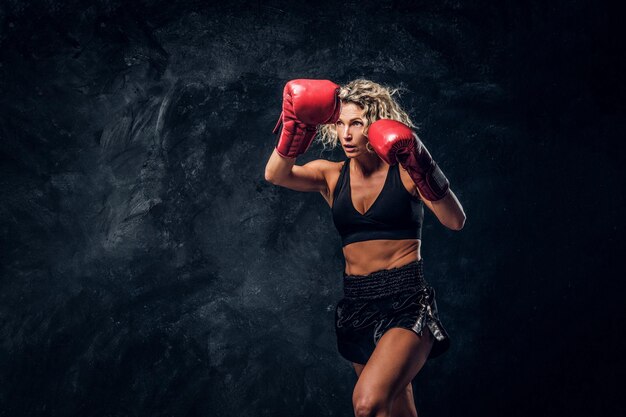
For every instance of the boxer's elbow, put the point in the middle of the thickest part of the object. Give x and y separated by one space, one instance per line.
457 223
270 176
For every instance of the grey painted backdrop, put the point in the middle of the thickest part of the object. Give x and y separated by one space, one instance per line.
148 269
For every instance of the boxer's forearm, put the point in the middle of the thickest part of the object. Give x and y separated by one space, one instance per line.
278 167
448 210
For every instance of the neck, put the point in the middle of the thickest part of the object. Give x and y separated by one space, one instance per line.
366 164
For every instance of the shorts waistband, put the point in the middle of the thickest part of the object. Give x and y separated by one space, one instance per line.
386 282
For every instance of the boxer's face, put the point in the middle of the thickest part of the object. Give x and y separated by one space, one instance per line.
350 129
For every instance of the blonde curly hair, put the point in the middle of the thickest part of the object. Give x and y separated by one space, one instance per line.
375 99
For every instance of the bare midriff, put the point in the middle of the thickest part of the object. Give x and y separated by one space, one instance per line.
363 258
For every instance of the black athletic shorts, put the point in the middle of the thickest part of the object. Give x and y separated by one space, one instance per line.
375 303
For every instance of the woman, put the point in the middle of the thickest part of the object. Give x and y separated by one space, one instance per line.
387 324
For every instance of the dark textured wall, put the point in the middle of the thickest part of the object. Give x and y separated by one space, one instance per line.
147 269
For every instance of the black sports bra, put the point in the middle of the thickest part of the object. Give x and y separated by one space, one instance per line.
395 214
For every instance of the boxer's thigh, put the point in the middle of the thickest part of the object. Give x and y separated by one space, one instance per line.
398 357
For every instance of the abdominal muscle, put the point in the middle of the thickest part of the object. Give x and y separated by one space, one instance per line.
363 258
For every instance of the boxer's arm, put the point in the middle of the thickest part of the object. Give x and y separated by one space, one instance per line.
448 210
308 177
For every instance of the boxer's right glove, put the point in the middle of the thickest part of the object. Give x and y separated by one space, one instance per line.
306 104
395 142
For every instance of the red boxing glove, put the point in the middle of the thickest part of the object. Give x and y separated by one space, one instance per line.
395 142
306 104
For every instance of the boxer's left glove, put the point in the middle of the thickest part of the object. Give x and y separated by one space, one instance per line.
306 104
395 142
